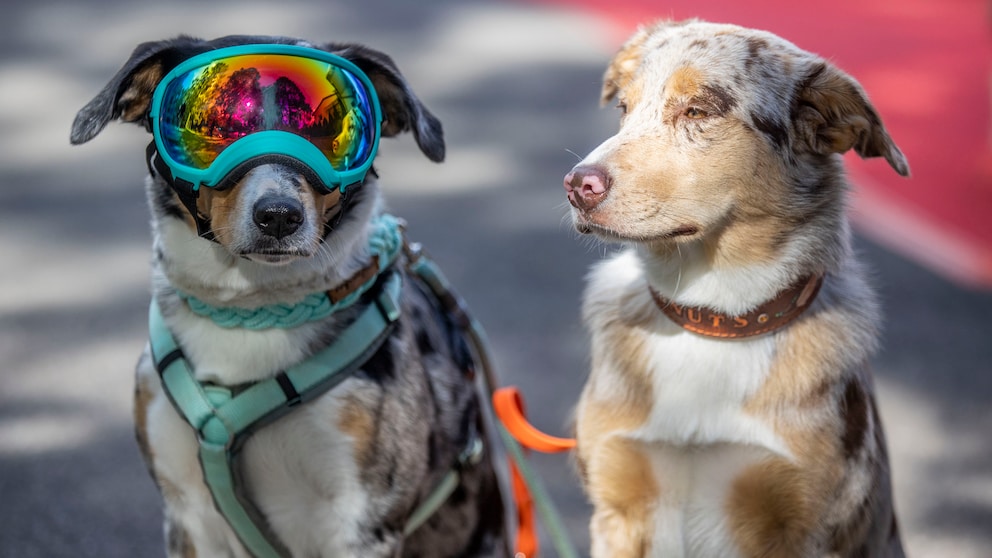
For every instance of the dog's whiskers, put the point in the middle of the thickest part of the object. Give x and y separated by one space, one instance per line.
678 280
577 156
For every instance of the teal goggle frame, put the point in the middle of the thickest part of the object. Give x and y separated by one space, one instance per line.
236 107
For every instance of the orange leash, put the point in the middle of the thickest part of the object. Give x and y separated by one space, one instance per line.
527 541
515 432
509 407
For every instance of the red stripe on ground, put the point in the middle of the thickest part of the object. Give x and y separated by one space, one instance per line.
927 66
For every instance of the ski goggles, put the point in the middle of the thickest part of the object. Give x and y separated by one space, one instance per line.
222 112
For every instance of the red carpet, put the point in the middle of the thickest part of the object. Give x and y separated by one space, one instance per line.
926 66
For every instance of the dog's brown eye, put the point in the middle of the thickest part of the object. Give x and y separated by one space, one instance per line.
696 113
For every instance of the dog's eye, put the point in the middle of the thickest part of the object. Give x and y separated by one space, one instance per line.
696 113
622 106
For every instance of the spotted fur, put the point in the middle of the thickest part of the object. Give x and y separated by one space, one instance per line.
724 184
340 475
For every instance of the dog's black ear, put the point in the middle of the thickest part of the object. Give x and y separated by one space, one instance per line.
129 93
402 110
832 114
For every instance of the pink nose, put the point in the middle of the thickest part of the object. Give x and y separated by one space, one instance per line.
586 187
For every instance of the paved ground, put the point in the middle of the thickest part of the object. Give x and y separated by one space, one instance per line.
516 87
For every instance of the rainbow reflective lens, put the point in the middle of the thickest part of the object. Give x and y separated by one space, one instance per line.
219 110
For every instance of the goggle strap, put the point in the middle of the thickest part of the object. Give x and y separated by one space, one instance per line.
187 194
150 153
185 191
343 203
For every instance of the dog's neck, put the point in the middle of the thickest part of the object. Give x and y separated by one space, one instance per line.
720 276
315 306
185 263
770 316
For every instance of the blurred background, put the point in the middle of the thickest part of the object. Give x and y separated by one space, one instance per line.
516 85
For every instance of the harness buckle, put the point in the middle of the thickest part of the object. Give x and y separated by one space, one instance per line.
387 305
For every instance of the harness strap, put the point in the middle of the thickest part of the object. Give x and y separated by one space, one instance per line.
185 191
472 455
223 422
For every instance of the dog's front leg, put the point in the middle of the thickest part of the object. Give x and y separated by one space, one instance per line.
614 533
617 469
192 527
381 544
178 542
623 490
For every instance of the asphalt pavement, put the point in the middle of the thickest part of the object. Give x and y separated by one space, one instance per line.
516 86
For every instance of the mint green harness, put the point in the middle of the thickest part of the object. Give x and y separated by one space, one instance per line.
223 420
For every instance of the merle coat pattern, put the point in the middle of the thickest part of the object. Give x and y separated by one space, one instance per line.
340 475
724 185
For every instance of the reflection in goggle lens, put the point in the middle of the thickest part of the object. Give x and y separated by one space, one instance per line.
205 110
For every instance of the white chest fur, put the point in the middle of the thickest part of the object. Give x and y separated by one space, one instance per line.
699 384
238 355
699 388
698 434
299 471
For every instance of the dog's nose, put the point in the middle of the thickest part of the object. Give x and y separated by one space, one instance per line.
587 187
278 217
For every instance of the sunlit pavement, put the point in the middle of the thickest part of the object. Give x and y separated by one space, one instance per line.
516 87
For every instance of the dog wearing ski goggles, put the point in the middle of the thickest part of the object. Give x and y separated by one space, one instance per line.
304 392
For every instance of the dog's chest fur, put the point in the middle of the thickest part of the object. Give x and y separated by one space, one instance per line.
725 181
292 465
339 475
303 470
684 431
695 432
327 475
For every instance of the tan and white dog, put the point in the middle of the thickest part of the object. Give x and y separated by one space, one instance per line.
730 409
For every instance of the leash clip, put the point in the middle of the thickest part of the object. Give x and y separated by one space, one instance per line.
414 251
472 454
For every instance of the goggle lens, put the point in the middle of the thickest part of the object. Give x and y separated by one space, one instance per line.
205 110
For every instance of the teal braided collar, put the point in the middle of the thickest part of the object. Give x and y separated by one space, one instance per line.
385 243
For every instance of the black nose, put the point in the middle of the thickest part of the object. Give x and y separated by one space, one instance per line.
278 217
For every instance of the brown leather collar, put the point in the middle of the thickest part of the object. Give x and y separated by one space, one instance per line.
352 283
770 316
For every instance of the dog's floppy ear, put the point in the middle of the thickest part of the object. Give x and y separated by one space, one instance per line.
621 69
402 110
129 93
832 114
